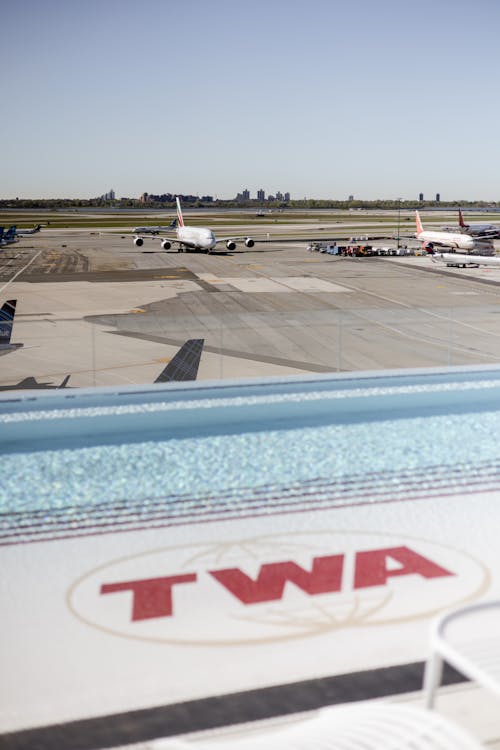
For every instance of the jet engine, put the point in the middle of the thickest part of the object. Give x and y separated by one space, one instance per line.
249 242
165 244
230 245
138 242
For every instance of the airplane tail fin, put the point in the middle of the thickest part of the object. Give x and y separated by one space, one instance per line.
7 313
184 366
419 223
461 219
179 212
64 383
173 224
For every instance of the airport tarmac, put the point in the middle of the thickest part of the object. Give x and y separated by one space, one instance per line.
96 307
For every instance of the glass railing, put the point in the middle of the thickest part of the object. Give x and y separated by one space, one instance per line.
136 349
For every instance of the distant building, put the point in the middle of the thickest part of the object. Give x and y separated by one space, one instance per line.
287 197
108 196
279 196
421 197
351 198
438 197
261 195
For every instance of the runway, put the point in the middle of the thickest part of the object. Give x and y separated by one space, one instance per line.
94 306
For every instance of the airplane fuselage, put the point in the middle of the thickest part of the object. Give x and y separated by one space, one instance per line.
23 232
462 260
476 230
453 239
199 238
448 239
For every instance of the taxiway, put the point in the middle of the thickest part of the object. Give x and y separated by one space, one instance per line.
96 307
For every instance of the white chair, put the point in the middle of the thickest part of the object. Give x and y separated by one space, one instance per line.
468 638
367 726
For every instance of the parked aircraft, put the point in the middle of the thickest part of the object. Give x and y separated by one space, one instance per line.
23 232
476 229
195 238
431 239
489 231
155 230
462 260
8 237
7 314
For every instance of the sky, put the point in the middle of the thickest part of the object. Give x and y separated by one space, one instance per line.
319 98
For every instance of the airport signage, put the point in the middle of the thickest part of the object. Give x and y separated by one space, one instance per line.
275 587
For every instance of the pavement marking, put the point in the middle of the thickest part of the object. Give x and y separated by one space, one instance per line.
308 284
227 352
20 271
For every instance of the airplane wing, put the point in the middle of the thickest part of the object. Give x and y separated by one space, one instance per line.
153 232
235 238
139 239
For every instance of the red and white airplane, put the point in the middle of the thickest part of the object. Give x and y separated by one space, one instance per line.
194 238
457 240
476 229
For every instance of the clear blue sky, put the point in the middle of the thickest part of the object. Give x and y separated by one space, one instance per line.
321 98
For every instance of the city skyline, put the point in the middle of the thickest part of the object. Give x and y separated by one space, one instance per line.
327 99
261 196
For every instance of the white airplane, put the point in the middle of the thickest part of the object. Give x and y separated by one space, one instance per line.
462 260
431 239
194 238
